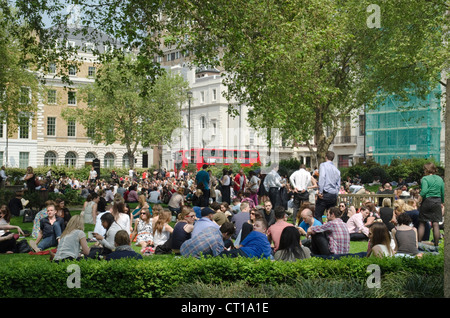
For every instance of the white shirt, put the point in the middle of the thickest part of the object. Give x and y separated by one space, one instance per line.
300 179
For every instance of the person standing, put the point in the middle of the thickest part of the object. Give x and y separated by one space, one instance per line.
3 177
300 181
92 175
30 179
202 180
432 193
225 187
329 184
272 184
240 181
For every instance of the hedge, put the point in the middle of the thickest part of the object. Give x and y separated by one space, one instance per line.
155 276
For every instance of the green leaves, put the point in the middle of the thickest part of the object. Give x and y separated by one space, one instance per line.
128 112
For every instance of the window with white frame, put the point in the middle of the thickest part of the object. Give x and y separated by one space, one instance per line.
24 159
51 126
71 159
214 94
52 68
1 157
91 71
202 97
108 161
125 161
71 128
51 96
25 95
72 70
202 122
24 127
50 158
71 98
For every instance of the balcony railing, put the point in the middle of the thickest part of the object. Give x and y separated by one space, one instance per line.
339 140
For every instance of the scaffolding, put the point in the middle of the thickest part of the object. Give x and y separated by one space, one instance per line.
398 129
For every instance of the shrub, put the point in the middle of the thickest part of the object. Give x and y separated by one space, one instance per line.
157 276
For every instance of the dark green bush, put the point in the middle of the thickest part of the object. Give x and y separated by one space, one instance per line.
156 276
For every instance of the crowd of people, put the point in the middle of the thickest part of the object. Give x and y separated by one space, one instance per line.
306 214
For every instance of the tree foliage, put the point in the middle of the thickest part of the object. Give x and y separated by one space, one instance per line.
120 109
304 65
19 86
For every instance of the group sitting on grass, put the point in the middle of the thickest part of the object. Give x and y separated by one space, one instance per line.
220 229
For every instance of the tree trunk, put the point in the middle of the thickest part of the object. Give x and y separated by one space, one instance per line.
447 192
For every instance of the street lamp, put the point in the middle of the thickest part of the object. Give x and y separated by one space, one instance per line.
189 95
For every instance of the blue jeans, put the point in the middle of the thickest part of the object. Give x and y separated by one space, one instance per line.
52 240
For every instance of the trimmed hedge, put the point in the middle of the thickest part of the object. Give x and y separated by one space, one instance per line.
156 276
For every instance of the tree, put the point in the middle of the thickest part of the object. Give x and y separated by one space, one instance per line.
119 110
19 85
305 65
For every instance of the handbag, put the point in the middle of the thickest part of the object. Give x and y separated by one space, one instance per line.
23 246
304 196
28 215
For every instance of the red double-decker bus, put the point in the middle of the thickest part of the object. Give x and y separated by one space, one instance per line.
212 156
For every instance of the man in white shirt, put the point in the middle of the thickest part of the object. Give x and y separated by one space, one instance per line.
272 184
92 175
3 177
300 181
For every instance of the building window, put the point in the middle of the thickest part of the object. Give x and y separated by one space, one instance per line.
70 159
72 70
51 126
71 128
24 127
214 94
49 158
362 125
91 71
71 98
1 158
51 96
25 95
202 97
24 159
125 161
343 161
108 161
202 122
89 157
90 131
52 68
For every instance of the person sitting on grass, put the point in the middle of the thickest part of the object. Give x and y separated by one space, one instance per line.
290 248
107 241
379 240
332 237
209 242
51 228
72 239
255 243
8 240
123 247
